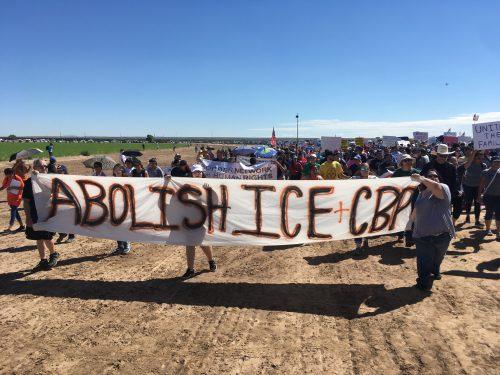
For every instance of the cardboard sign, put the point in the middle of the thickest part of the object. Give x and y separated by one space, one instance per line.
389 140
331 143
486 135
190 211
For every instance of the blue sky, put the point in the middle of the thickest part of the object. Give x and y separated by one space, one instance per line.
238 68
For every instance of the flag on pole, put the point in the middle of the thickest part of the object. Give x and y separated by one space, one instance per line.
273 138
475 117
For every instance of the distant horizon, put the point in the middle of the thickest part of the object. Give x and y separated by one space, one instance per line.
238 69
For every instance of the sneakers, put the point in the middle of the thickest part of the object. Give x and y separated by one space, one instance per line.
21 228
189 273
53 259
71 238
489 233
126 250
478 224
437 276
61 237
213 265
43 265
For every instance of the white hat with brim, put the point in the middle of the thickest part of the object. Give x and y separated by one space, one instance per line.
442 149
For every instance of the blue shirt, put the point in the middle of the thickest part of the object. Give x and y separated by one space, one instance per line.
433 215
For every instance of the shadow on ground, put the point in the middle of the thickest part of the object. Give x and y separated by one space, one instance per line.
388 253
342 300
474 241
18 249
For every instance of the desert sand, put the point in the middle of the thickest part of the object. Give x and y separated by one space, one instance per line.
316 309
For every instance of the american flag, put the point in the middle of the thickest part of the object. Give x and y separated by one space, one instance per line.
475 117
273 138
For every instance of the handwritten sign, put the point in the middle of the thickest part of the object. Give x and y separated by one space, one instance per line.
189 211
421 137
486 135
331 143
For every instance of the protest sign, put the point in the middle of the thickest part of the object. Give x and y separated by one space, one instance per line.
450 134
486 135
331 143
344 144
219 169
389 140
450 140
421 137
190 211
359 141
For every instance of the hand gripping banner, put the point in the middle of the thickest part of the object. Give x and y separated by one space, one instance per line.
189 211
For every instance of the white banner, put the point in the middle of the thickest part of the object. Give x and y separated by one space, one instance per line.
486 135
239 171
191 211
331 143
421 137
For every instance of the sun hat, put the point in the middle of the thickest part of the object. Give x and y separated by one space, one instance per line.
357 157
442 149
462 160
312 156
196 168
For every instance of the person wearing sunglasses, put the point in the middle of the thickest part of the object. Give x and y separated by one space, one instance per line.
432 227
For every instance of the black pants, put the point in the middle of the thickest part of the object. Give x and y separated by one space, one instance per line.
470 193
456 203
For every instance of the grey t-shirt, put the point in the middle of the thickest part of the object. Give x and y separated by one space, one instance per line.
494 187
473 174
433 215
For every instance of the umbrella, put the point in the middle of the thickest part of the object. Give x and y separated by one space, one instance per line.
24 154
132 153
244 150
107 162
265 152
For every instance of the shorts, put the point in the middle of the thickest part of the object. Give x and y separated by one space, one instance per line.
32 234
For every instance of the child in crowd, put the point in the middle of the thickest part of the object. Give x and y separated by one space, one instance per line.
14 185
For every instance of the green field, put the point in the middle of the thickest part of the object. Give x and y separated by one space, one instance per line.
71 149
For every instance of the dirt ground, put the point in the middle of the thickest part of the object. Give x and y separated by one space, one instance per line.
317 309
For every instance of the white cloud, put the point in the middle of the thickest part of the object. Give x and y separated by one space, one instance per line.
351 128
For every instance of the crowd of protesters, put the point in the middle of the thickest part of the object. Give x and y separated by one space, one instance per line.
452 180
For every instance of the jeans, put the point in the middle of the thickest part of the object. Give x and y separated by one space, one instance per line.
123 244
471 196
430 255
14 215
